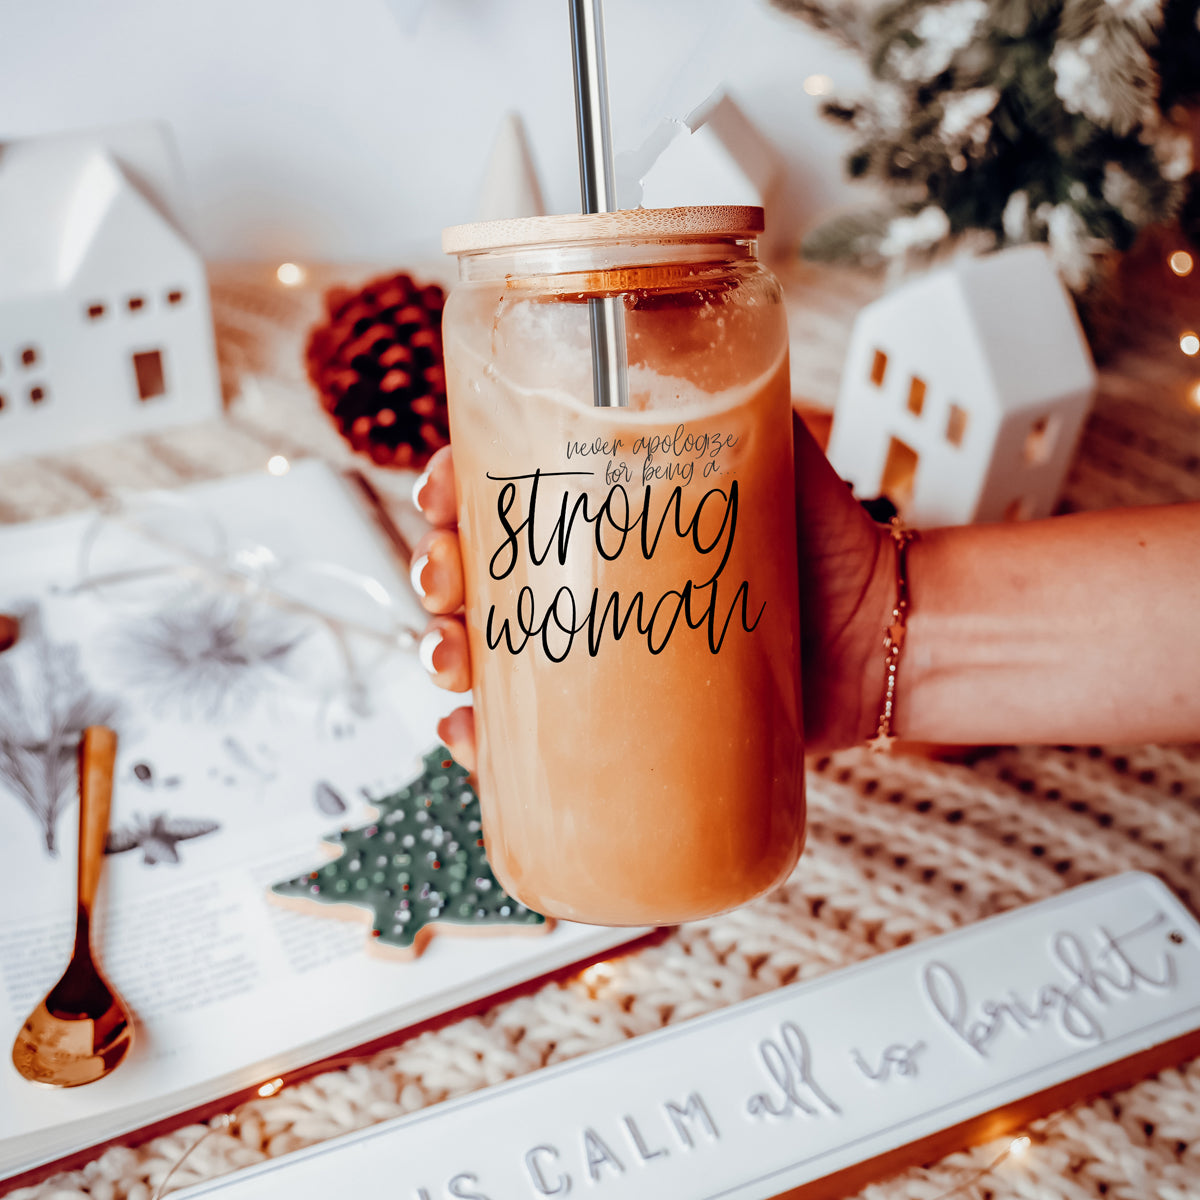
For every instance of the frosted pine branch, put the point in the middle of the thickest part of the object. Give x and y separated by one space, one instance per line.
1016 121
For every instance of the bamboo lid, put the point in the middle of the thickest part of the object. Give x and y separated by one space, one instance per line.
628 225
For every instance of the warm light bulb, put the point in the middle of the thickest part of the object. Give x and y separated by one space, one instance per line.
1019 1146
278 465
270 1088
1181 262
1189 343
1195 394
818 85
289 274
597 974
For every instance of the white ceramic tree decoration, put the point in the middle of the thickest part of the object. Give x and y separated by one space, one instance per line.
105 326
511 187
964 392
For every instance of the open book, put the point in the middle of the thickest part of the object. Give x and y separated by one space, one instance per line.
249 729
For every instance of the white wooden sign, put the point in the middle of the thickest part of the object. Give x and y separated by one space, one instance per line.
792 1090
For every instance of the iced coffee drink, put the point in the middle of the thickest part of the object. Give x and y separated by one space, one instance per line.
631 586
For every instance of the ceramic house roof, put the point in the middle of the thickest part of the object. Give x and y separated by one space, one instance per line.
1001 327
56 195
716 156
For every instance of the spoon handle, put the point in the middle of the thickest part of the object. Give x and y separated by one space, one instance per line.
97 759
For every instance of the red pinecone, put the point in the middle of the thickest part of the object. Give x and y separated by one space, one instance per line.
377 364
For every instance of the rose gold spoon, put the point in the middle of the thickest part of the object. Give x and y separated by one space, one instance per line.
81 1031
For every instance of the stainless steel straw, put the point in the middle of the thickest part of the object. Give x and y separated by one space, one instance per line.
610 379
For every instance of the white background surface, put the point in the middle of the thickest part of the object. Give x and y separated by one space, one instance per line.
356 129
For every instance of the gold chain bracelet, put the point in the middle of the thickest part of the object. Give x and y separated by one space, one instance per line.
893 638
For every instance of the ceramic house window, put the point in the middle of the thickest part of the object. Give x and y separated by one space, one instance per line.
136 303
29 356
899 472
956 425
95 311
37 394
916 396
1039 441
148 370
878 368
175 296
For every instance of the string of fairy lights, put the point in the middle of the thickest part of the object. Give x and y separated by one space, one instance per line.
1182 264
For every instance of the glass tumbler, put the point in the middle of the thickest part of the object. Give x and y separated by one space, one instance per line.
631 585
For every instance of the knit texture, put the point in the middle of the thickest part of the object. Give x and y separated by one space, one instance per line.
900 847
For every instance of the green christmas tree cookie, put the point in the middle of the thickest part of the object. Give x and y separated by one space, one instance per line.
419 865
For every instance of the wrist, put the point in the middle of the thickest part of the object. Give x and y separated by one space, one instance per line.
846 605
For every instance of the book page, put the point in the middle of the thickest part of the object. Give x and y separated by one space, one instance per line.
241 745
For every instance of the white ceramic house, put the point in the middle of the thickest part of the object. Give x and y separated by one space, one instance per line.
717 156
105 325
964 392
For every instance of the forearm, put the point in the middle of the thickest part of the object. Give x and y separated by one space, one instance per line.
1077 629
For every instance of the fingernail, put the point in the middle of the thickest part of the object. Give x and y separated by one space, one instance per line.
419 487
429 644
415 573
